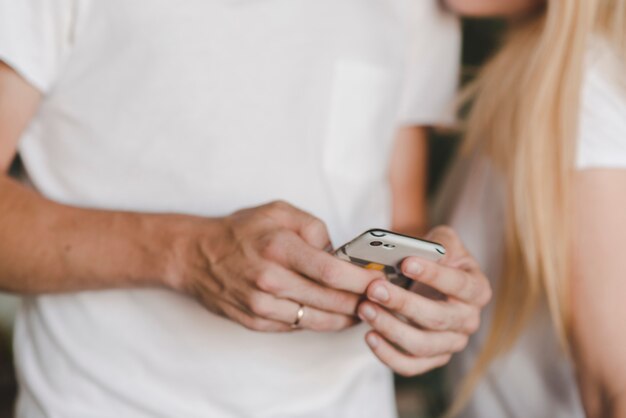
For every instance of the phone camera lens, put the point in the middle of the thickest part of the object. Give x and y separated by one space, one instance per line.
389 246
376 243
378 234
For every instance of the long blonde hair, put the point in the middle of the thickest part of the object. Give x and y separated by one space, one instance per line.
524 117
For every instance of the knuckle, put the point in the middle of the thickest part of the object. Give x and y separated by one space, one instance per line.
471 288
343 302
276 210
431 316
437 323
472 324
340 304
462 286
278 205
430 274
338 323
398 300
272 243
259 305
460 344
329 274
486 294
267 282
347 322
321 324
315 233
388 326
315 227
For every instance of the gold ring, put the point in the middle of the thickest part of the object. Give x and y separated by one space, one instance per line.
299 316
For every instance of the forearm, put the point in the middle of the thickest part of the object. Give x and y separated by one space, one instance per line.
597 289
48 247
408 175
614 407
601 402
619 406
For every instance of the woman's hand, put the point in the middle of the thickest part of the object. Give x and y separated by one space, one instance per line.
412 333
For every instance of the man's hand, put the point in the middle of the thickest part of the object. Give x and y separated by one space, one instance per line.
255 267
413 334
263 263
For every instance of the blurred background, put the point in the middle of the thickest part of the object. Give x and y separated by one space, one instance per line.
419 397
424 396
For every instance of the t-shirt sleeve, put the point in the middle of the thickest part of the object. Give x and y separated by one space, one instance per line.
35 38
602 129
433 64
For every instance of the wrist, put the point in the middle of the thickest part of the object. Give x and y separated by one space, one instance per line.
187 245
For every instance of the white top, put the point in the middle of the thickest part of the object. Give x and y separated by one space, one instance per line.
205 107
535 379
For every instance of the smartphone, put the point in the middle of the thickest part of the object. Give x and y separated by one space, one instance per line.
382 250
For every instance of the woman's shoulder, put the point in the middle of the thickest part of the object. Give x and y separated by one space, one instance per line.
602 129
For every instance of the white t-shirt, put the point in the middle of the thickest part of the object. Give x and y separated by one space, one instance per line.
205 107
535 379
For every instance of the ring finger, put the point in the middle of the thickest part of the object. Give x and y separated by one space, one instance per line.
286 284
268 306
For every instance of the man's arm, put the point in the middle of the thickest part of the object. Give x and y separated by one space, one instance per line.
408 176
255 267
46 246
18 103
598 290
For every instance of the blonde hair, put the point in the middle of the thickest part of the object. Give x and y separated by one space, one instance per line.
524 117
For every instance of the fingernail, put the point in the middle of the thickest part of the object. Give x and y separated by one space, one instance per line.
372 340
413 267
368 312
380 294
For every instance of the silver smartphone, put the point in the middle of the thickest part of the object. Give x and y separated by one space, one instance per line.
382 250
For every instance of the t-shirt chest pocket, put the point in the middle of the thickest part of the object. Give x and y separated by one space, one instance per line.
361 124
361 121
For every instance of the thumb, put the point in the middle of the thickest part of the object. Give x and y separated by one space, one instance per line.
455 250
